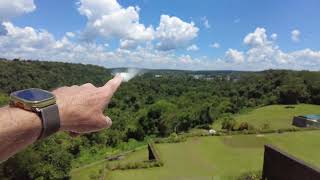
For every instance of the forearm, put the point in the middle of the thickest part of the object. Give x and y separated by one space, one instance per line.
19 128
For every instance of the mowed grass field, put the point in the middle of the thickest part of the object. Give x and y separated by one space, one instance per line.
223 157
84 173
277 116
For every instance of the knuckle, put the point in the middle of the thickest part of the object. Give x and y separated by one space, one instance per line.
88 85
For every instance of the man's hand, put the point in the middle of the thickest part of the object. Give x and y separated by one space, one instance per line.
81 107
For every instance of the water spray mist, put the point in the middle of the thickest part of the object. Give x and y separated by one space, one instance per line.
129 74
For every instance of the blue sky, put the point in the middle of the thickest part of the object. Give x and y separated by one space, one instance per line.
179 34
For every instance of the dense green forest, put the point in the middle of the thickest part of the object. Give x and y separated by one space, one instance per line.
154 104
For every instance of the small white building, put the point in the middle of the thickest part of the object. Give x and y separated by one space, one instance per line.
212 131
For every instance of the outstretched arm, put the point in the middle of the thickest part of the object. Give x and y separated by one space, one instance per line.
80 108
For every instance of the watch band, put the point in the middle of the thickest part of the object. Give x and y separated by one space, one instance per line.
50 120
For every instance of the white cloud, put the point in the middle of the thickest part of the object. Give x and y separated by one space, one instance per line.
30 43
295 35
257 38
193 47
234 56
205 22
215 45
107 18
274 36
309 59
13 8
128 44
262 50
265 54
70 34
3 30
173 33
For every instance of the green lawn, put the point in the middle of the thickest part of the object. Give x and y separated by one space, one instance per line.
277 116
83 173
226 156
223 157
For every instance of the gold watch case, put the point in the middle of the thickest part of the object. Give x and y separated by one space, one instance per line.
31 105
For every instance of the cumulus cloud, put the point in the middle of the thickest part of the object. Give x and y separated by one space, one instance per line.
30 43
193 47
13 8
295 35
256 38
264 54
262 50
234 56
70 34
274 36
173 33
215 45
107 18
128 44
205 22
3 30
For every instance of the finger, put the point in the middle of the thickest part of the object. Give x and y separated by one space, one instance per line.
111 86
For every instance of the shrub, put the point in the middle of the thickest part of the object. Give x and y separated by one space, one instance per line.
229 124
268 131
243 126
265 125
138 165
255 175
157 162
204 126
173 138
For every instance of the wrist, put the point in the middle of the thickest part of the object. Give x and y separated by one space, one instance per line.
63 113
32 126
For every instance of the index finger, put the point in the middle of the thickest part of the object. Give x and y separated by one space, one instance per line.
112 85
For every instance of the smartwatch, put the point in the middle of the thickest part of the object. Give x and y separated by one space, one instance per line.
41 102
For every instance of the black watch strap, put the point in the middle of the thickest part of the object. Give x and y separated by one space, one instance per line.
50 121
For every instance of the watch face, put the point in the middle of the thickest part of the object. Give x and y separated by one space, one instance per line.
33 95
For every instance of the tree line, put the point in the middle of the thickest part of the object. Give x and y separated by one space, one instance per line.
155 104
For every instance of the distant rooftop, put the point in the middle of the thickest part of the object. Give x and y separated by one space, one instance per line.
312 116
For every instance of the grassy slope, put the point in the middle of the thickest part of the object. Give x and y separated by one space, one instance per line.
84 173
222 157
276 115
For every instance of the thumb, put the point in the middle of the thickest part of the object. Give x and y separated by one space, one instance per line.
107 122
102 122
